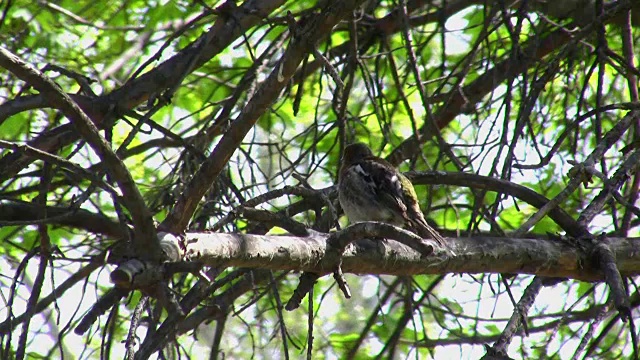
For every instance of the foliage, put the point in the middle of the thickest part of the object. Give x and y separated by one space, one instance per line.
519 91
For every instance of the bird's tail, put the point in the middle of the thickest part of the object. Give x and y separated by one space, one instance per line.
426 231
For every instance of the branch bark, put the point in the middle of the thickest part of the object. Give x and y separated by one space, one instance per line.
550 258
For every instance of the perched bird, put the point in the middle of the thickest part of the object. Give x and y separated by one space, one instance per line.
371 189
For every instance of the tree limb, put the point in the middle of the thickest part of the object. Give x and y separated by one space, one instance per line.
550 258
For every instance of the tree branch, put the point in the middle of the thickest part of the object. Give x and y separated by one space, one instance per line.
550 258
15 214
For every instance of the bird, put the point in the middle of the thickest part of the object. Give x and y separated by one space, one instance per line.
371 189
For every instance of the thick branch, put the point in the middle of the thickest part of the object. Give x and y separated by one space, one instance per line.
549 258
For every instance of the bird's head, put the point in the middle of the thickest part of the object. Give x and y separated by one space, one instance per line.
355 152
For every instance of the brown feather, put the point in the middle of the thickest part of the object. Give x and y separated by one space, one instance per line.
393 191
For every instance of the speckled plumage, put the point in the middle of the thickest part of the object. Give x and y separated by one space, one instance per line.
371 189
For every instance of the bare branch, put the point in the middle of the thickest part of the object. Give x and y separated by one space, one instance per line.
549 258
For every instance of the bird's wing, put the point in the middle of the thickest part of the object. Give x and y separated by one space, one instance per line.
414 215
384 179
386 183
